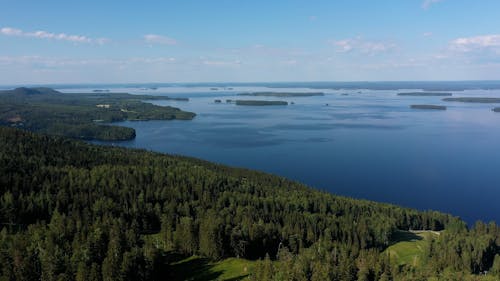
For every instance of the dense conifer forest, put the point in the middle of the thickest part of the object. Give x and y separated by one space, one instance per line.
74 211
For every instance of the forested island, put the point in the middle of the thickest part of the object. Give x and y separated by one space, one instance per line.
428 106
474 100
81 115
70 210
282 94
425 94
259 102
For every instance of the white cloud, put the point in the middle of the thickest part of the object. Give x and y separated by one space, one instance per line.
11 31
41 34
474 52
428 3
344 45
427 34
61 36
62 63
476 43
159 39
362 46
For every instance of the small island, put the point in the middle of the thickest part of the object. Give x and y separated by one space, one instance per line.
428 106
474 100
260 102
496 109
282 94
425 94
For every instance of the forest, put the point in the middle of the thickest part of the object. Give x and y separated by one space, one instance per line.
81 115
70 210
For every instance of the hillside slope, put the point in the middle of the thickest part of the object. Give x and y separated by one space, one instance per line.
70 210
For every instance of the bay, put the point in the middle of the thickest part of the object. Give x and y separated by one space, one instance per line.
359 143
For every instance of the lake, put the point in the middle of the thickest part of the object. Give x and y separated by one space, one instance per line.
359 143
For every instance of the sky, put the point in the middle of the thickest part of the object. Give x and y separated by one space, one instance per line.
48 42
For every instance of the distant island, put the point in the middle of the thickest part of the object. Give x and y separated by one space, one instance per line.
282 94
176 99
474 100
260 102
82 115
496 109
428 106
425 94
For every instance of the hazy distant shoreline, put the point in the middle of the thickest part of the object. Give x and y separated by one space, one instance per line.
380 85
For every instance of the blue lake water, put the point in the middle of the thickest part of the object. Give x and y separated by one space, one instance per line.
365 143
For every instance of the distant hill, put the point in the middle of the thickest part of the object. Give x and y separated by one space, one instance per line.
30 91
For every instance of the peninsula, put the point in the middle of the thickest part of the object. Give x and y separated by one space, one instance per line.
82 115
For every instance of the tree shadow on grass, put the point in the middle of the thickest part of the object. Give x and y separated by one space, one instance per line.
404 236
237 278
196 269
179 267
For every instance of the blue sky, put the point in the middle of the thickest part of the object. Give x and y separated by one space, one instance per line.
244 41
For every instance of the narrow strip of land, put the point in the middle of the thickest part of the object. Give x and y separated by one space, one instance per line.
425 94
428 106
282 94
474 100
259 102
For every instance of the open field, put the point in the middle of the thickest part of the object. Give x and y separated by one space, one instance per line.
409 246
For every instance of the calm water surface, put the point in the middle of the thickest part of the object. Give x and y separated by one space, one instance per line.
364 143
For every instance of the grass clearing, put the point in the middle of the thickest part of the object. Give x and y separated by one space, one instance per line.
200 269
195 268
408 246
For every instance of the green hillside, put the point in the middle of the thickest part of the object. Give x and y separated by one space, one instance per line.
74 211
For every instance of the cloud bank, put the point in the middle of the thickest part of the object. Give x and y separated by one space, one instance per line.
475 43
41 34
